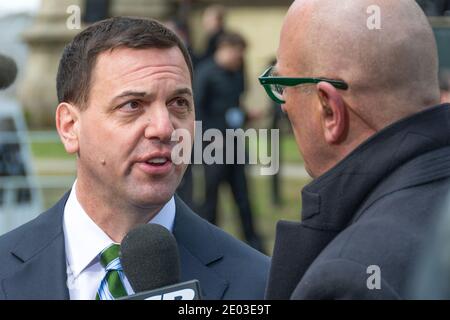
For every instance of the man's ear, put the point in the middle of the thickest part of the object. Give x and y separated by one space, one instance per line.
67 117
333 112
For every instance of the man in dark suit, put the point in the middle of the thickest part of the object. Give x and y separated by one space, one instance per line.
373 136
124 87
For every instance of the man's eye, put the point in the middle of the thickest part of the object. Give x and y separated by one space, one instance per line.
181 103
130 105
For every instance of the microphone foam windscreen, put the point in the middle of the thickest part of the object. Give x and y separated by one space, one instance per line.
8 71
149 257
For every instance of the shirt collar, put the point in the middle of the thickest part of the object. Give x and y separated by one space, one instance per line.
84 239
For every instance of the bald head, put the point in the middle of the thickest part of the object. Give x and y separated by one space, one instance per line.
392 71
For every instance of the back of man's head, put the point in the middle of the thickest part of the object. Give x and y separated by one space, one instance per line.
385 50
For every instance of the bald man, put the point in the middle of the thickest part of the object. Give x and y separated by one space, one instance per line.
363 101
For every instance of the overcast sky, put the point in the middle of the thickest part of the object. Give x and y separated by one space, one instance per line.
8 7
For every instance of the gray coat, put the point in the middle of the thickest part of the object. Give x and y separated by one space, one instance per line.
366 220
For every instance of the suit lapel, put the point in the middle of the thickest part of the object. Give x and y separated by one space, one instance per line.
41 252
42 277
198 249
211 285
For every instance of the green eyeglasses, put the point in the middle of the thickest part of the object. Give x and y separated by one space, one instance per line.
274 86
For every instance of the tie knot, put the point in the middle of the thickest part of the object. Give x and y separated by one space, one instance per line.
109 258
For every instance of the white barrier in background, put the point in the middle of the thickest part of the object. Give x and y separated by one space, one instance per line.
20 196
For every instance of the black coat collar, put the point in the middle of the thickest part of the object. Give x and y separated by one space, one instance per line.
330 202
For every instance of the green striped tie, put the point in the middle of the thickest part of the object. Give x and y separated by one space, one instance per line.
111 286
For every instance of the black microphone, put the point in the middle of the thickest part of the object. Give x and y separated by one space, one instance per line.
150 261
8 71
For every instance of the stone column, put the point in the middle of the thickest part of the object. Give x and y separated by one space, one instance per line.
45 39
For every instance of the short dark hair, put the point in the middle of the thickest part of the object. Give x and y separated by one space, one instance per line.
231 39
79 56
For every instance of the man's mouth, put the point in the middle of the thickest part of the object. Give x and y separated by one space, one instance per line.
156 163
160 161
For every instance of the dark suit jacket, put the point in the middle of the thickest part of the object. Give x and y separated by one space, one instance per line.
374 208
33 262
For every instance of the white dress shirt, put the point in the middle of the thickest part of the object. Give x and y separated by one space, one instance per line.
85 240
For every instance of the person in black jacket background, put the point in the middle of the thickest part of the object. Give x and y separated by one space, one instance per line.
373 136
218 86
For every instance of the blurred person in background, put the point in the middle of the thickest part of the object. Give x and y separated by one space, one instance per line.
213 23
218 87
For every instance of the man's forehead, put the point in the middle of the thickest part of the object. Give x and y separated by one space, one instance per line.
129 59
133 64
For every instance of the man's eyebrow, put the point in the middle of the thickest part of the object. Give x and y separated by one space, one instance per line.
183 91
143 94
131 93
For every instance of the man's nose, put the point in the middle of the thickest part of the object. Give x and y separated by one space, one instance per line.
159 124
